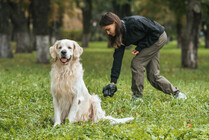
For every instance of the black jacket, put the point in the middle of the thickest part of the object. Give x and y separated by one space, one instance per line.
139 31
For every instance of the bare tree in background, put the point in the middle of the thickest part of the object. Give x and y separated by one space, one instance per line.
190 44
122 8
206 34
87 15
179 9
5 48
39 11
205 21
20 26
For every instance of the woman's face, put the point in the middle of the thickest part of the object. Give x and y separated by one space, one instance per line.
110 29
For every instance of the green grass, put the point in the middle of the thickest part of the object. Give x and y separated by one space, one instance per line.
26 106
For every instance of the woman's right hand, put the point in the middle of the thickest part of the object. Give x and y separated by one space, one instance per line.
135 52
109 90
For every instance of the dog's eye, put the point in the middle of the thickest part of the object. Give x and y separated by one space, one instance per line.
69 47
60 47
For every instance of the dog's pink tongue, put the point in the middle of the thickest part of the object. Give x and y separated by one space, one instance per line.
64 60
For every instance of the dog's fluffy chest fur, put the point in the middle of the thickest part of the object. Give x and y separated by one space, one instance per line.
65 77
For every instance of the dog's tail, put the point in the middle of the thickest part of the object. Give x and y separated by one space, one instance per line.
115 120
99 114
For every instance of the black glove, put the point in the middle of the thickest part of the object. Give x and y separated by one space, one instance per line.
109 90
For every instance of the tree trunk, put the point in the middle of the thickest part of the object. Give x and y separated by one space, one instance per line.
53 32
23 42
20 25
5 48
179 33
39 12
122 10
117 8
206 34
205 22
189 49
85 40
87 13
126 9
42 48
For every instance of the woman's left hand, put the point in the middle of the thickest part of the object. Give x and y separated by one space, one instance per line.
135 52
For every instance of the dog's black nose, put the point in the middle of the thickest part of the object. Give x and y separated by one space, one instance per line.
63 52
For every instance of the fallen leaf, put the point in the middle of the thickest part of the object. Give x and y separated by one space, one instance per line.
189 125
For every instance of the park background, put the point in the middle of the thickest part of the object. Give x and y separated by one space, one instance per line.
29 27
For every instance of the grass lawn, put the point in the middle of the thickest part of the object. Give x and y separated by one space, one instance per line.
26 106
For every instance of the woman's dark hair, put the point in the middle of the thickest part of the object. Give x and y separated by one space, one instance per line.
108 19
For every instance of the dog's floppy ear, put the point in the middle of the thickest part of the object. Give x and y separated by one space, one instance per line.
77 50
52 50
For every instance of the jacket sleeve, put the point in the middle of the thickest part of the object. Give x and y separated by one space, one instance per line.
117 63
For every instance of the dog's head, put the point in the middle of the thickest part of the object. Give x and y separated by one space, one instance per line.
65 50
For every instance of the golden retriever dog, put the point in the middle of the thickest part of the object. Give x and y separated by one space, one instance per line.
71 98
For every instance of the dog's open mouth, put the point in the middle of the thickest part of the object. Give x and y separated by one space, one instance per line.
65 60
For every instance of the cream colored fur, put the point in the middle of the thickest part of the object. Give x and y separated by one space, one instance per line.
71 98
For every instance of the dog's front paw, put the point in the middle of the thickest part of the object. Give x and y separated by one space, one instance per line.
71 120
56 124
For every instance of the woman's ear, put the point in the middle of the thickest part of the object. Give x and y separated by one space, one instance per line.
77 50
52 50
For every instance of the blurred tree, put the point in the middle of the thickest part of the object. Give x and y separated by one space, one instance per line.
205 21
19 9
178 7
191 35
96 32
5 48
100 10
122 8
39 10
57 10
55 18
86 7
157 10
